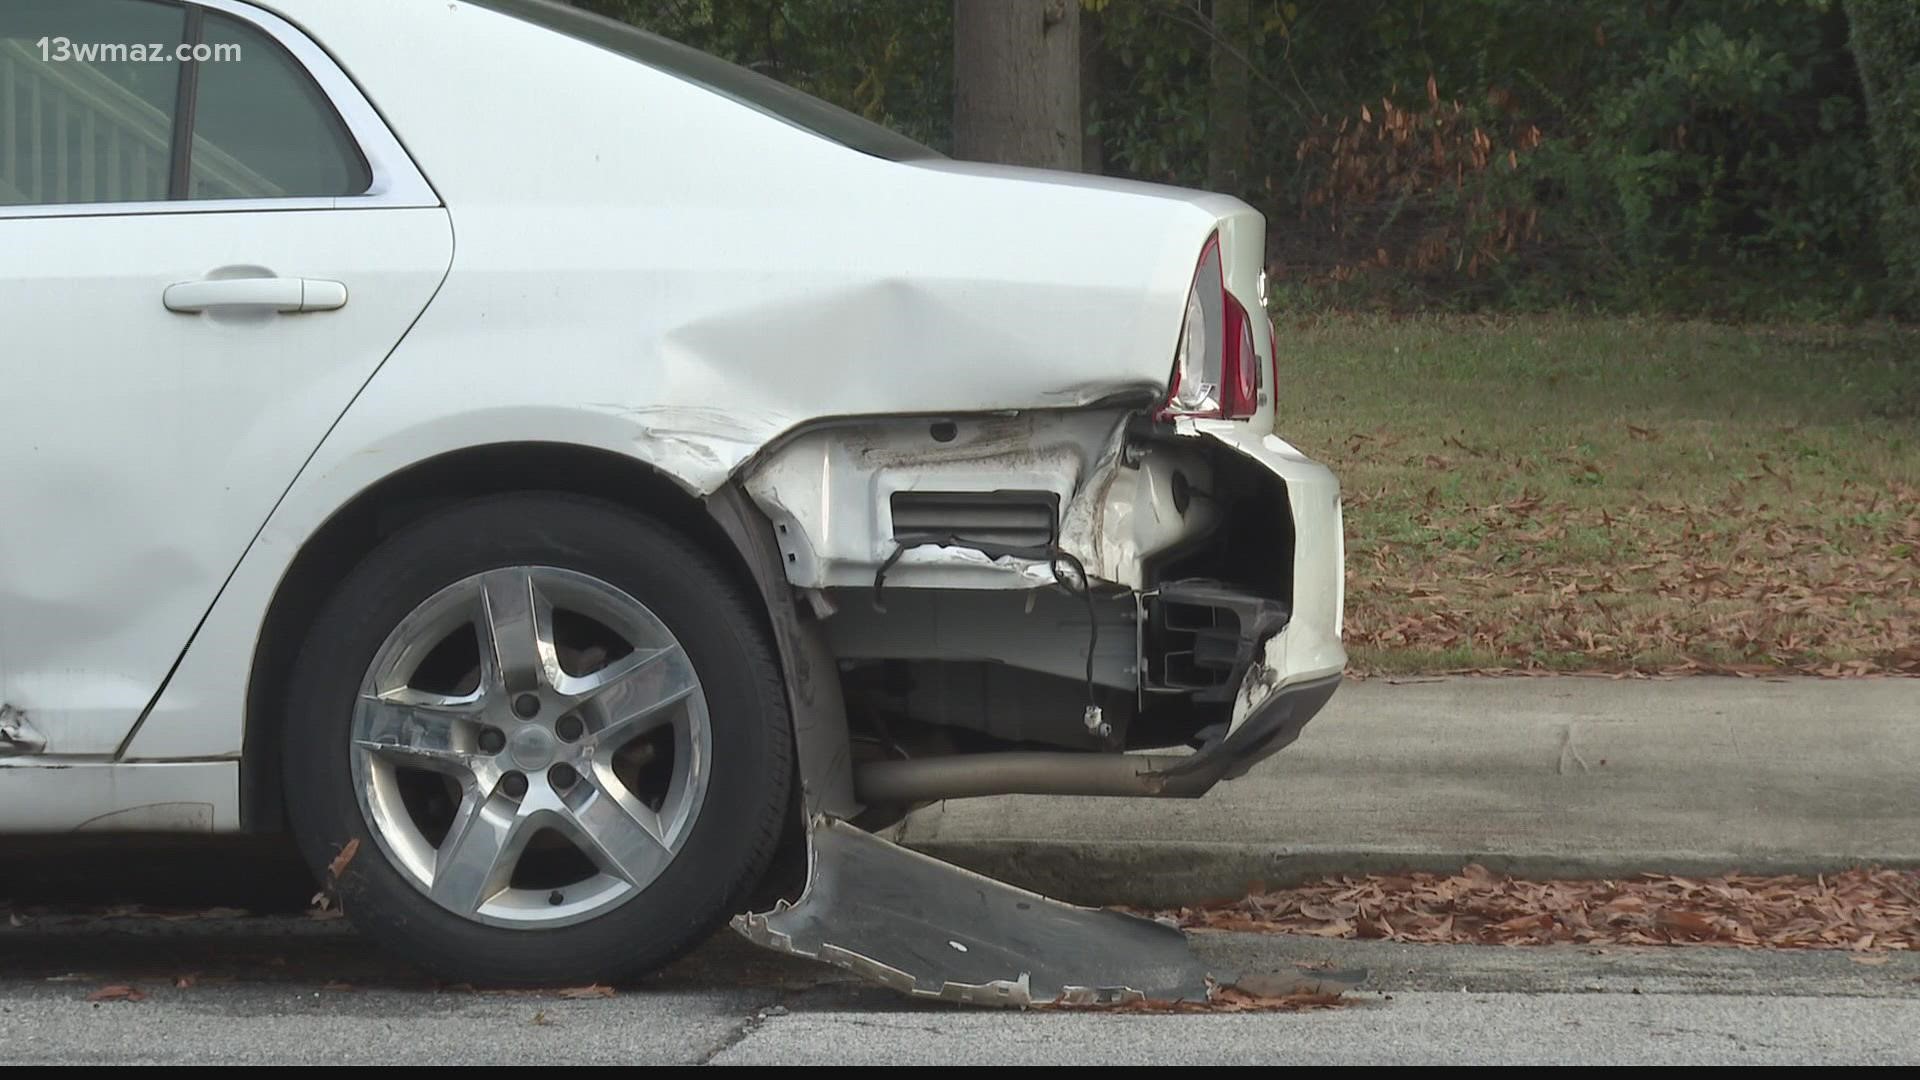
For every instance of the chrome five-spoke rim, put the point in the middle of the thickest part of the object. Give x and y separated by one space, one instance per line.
530 746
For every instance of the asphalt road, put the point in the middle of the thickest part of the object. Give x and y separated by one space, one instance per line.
286 988
289 989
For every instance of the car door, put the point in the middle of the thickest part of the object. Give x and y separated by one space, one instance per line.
209 242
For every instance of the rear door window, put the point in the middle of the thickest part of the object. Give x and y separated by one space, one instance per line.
88 93
261 128
142 101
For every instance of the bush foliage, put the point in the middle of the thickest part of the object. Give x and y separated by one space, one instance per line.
1696 155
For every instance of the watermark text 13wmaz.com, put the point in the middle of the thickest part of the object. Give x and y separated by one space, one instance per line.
62 50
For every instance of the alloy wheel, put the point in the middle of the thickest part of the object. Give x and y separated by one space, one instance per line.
530 746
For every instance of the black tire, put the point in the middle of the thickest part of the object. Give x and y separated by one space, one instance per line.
739 824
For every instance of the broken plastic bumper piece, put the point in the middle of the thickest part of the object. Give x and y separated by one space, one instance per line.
932 930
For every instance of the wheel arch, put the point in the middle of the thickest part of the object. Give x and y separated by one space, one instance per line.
358 526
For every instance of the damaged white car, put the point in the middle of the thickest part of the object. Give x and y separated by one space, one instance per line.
550 471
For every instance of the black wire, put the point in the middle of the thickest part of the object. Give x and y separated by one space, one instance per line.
1055 556
880 575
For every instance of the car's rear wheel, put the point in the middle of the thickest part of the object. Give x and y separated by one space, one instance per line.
553 735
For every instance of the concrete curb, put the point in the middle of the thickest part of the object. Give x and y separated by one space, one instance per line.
1548 777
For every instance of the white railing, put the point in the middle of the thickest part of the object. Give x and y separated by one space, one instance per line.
70 134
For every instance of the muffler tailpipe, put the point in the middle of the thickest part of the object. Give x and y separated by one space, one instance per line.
1032 772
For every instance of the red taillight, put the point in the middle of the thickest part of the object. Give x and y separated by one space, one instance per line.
1240 364
1216 367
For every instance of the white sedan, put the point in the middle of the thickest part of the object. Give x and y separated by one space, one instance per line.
550 471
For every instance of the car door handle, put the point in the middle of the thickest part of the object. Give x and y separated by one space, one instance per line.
281 294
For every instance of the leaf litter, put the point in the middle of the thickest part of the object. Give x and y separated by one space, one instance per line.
1672 515
1737 586
1867 911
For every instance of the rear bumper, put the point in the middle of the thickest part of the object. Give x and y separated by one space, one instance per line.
1268 728
1292 671
1308 648
1295 670
1215 556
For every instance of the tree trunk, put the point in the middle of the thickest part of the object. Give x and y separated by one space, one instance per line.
1229 98
1016 82
1886 49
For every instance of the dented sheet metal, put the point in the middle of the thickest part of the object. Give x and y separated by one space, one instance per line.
17 736
828 491
933 930
1137 502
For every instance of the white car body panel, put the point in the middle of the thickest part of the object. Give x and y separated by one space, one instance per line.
829 492
646 268
771 304
151 444
106 796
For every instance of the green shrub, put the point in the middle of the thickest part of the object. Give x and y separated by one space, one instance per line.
1689 155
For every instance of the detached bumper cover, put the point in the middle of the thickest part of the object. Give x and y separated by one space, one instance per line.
932 930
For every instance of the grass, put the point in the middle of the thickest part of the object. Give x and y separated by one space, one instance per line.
1556 493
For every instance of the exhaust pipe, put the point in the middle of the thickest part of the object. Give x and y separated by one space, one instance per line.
1031 772
1270 725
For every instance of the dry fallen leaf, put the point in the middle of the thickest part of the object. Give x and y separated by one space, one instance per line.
1299 982
1691 923
1869 959
1336 928
576 993
118 993
340 861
